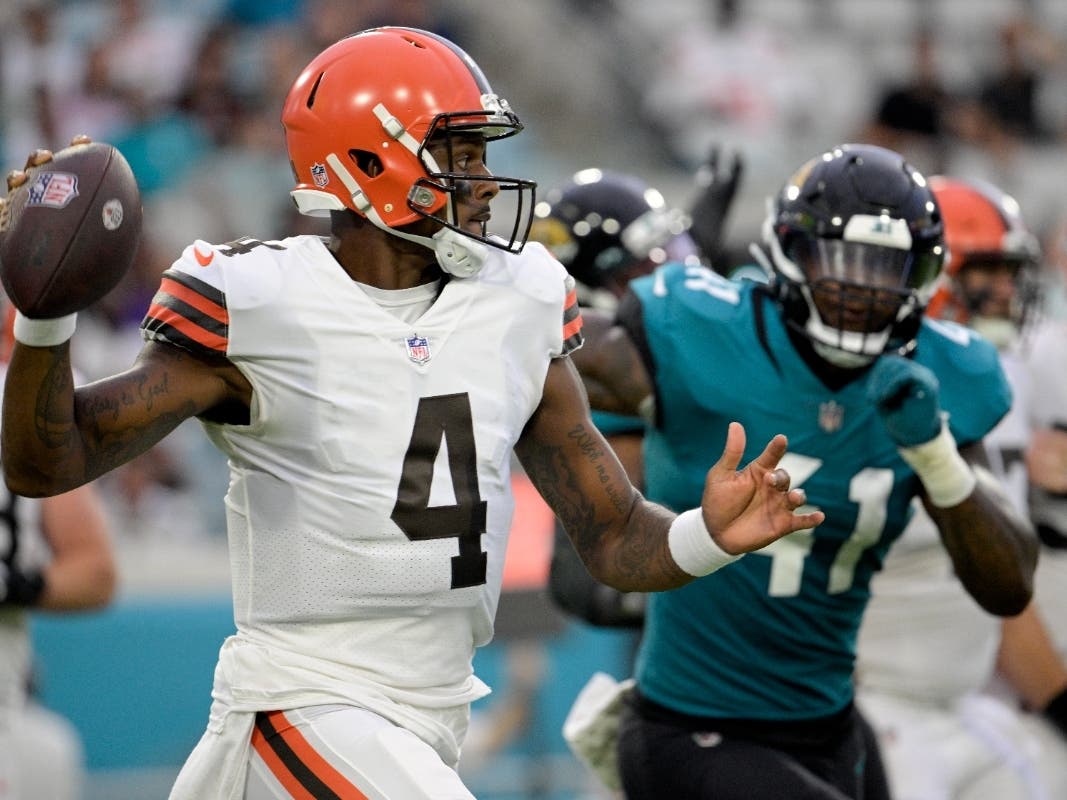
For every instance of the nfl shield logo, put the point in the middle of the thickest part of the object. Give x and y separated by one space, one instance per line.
831 416
53 189
318 174
418 349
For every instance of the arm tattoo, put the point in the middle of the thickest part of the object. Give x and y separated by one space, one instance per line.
639 556
53 426
556 481
110 438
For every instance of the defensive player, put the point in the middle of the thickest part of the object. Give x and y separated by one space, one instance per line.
55 556
607 228
754 699
926 652
369 390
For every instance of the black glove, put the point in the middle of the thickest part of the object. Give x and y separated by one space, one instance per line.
19 588
1056 712
717 181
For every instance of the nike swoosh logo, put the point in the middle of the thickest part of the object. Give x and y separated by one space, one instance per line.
201 259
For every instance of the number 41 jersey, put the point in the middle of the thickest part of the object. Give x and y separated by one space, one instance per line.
772 636
369 500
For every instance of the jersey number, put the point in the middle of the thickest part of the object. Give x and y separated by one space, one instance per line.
445 418
869 489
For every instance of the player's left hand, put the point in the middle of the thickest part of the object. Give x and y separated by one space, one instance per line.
747 509
906 394
717 181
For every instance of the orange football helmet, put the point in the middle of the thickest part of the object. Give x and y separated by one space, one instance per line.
983 228
358 121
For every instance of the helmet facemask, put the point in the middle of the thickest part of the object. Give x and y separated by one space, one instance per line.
445 179
992 275
856 299
856 248
1002 317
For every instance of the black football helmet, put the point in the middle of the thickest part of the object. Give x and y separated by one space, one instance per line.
857 245
609 227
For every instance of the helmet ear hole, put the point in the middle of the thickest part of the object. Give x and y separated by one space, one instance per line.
366 162
314 90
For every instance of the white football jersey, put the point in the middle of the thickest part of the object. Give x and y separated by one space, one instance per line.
369 500
1045 361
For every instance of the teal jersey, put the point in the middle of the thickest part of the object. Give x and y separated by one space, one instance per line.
615 424
772 635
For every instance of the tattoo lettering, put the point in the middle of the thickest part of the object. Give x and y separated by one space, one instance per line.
595 454
53 426
148 392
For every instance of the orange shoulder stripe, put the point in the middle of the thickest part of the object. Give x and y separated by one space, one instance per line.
196 300
199 335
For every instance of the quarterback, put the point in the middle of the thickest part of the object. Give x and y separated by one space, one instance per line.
369 390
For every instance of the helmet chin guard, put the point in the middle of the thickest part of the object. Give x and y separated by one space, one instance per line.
457 254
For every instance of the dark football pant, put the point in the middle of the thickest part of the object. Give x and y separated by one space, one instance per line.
665 754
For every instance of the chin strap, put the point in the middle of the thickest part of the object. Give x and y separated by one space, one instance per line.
456 253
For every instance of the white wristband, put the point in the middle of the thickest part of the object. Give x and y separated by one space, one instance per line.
692 547
947 478
44 332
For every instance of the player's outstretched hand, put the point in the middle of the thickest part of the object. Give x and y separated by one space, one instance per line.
906 395
749 508
717 181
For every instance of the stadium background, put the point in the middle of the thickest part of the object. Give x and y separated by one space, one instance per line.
190 90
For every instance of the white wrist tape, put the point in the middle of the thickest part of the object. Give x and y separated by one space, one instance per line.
947 478
692 547
44 332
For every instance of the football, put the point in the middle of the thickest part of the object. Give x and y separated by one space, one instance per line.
70 231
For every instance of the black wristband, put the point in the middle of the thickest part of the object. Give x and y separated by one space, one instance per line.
23 588
1056 711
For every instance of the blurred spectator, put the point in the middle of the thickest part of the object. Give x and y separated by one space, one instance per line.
149 53
909 116
56 557
1011 94
1008 109
730 79
38 67
95 107
207 92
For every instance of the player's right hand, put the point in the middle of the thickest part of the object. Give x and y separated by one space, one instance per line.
747 509
906 395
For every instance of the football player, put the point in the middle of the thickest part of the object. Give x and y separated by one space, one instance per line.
745 682
55 556
369 389
607 228
926 652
